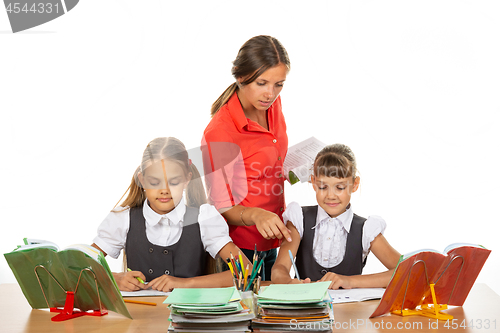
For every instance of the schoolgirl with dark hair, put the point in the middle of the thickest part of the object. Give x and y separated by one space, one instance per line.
330 242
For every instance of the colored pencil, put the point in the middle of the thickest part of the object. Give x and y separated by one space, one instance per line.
242 264
254 259
230 266
255 263
246 277
255 272
138 302
236 266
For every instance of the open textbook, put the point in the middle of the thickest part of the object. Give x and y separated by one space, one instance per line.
45 273
299 159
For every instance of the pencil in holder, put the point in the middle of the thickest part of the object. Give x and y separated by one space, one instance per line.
247 284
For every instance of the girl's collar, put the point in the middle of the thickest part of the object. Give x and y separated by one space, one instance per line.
345 218
175 216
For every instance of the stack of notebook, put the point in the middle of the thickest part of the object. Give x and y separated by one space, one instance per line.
208 310
294 307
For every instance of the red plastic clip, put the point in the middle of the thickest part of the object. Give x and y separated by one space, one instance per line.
69 311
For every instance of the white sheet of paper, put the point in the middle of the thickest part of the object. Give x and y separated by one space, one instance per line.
355 295
300 157
147 292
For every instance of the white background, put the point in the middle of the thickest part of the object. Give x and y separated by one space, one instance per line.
412 87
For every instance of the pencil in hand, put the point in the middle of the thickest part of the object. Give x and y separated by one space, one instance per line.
138 278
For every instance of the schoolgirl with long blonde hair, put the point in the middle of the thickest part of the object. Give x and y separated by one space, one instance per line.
164 226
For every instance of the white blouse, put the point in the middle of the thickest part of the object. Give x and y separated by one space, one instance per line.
162 230
330 238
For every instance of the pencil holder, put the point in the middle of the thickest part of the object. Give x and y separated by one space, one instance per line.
247 292
248 298
247 285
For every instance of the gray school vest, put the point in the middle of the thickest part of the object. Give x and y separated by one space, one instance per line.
352 264
186 258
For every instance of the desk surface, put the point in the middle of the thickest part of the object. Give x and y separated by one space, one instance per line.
482 308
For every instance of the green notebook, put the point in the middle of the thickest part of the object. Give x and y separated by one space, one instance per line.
234 307
297 293
201 296
65 266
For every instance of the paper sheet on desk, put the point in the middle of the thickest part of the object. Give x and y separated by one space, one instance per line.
147 292
355 295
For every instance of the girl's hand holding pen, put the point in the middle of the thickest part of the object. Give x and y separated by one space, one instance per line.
129 281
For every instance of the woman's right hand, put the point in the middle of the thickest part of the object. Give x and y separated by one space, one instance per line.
269 224
128 281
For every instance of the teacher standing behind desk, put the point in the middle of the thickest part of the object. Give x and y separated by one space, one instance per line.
244 147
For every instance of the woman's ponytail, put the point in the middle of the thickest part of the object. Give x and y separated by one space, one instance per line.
223 98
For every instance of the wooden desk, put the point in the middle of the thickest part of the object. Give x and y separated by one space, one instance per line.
17 316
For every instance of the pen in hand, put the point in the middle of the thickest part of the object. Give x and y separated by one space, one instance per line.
138 278
293 263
